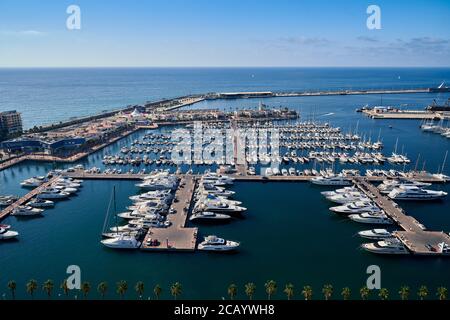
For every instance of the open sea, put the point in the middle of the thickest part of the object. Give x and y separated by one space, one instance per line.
289 235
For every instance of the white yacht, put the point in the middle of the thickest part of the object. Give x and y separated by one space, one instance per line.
122 241
220 207
357 207
65 189
387 246
331 181
415 193
389 185
344 198
209 216
339 191
158 184
213 243
6 234
371 218
32 182
375 234
52 193
26 211
40 203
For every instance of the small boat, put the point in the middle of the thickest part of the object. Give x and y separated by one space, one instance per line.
6 234
213 243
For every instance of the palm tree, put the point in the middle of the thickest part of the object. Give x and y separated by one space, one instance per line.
307 292
327 291
441 292
346 292
85 288
289 290
12 285
271 288
383 294
64 287
250 289
423 292
176 289
139 288
48 287
232 291
404 292
31 287
364 292
102 288
157 291
122 288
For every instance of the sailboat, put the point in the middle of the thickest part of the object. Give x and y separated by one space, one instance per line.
122 240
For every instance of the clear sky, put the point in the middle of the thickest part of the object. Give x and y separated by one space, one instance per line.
224 33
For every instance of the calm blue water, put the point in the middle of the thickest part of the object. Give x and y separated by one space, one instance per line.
289 234
66 93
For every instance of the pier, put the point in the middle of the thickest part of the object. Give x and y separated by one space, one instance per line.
24 199
415 237
176 236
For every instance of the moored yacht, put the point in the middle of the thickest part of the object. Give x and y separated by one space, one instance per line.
122 241
40 203
213 243
387 246
357 207
333 180
416 193
26 211
6 234
52 193
344 198
375 234
371 218
207 216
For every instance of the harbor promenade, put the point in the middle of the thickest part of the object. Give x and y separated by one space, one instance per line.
177 236
24 199
415 237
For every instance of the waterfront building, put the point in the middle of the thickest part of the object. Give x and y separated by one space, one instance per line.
10 123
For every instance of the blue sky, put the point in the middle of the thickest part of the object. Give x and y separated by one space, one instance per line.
224 33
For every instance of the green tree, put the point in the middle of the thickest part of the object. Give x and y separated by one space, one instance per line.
271 288
102 288
307 292
327 291
404 292
441 292
176 290
139 288
12 285
31 287
383 294
423 292
85 288
289 291
48 287
64 287
157 290
250 289
364 293
121 288
232 291
346 293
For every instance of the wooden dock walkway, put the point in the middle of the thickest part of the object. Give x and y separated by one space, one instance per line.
24 199
415 237
176 236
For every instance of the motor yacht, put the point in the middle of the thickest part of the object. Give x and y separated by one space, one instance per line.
387 246
40 203
6 234
26 211
344 198
339 191
389 185
122 241
52 193
331 181
213 243
220 207
375 234
32 182
416 193
357 207
207 216
371 218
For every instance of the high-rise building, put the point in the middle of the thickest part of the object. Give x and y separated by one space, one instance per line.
10 123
